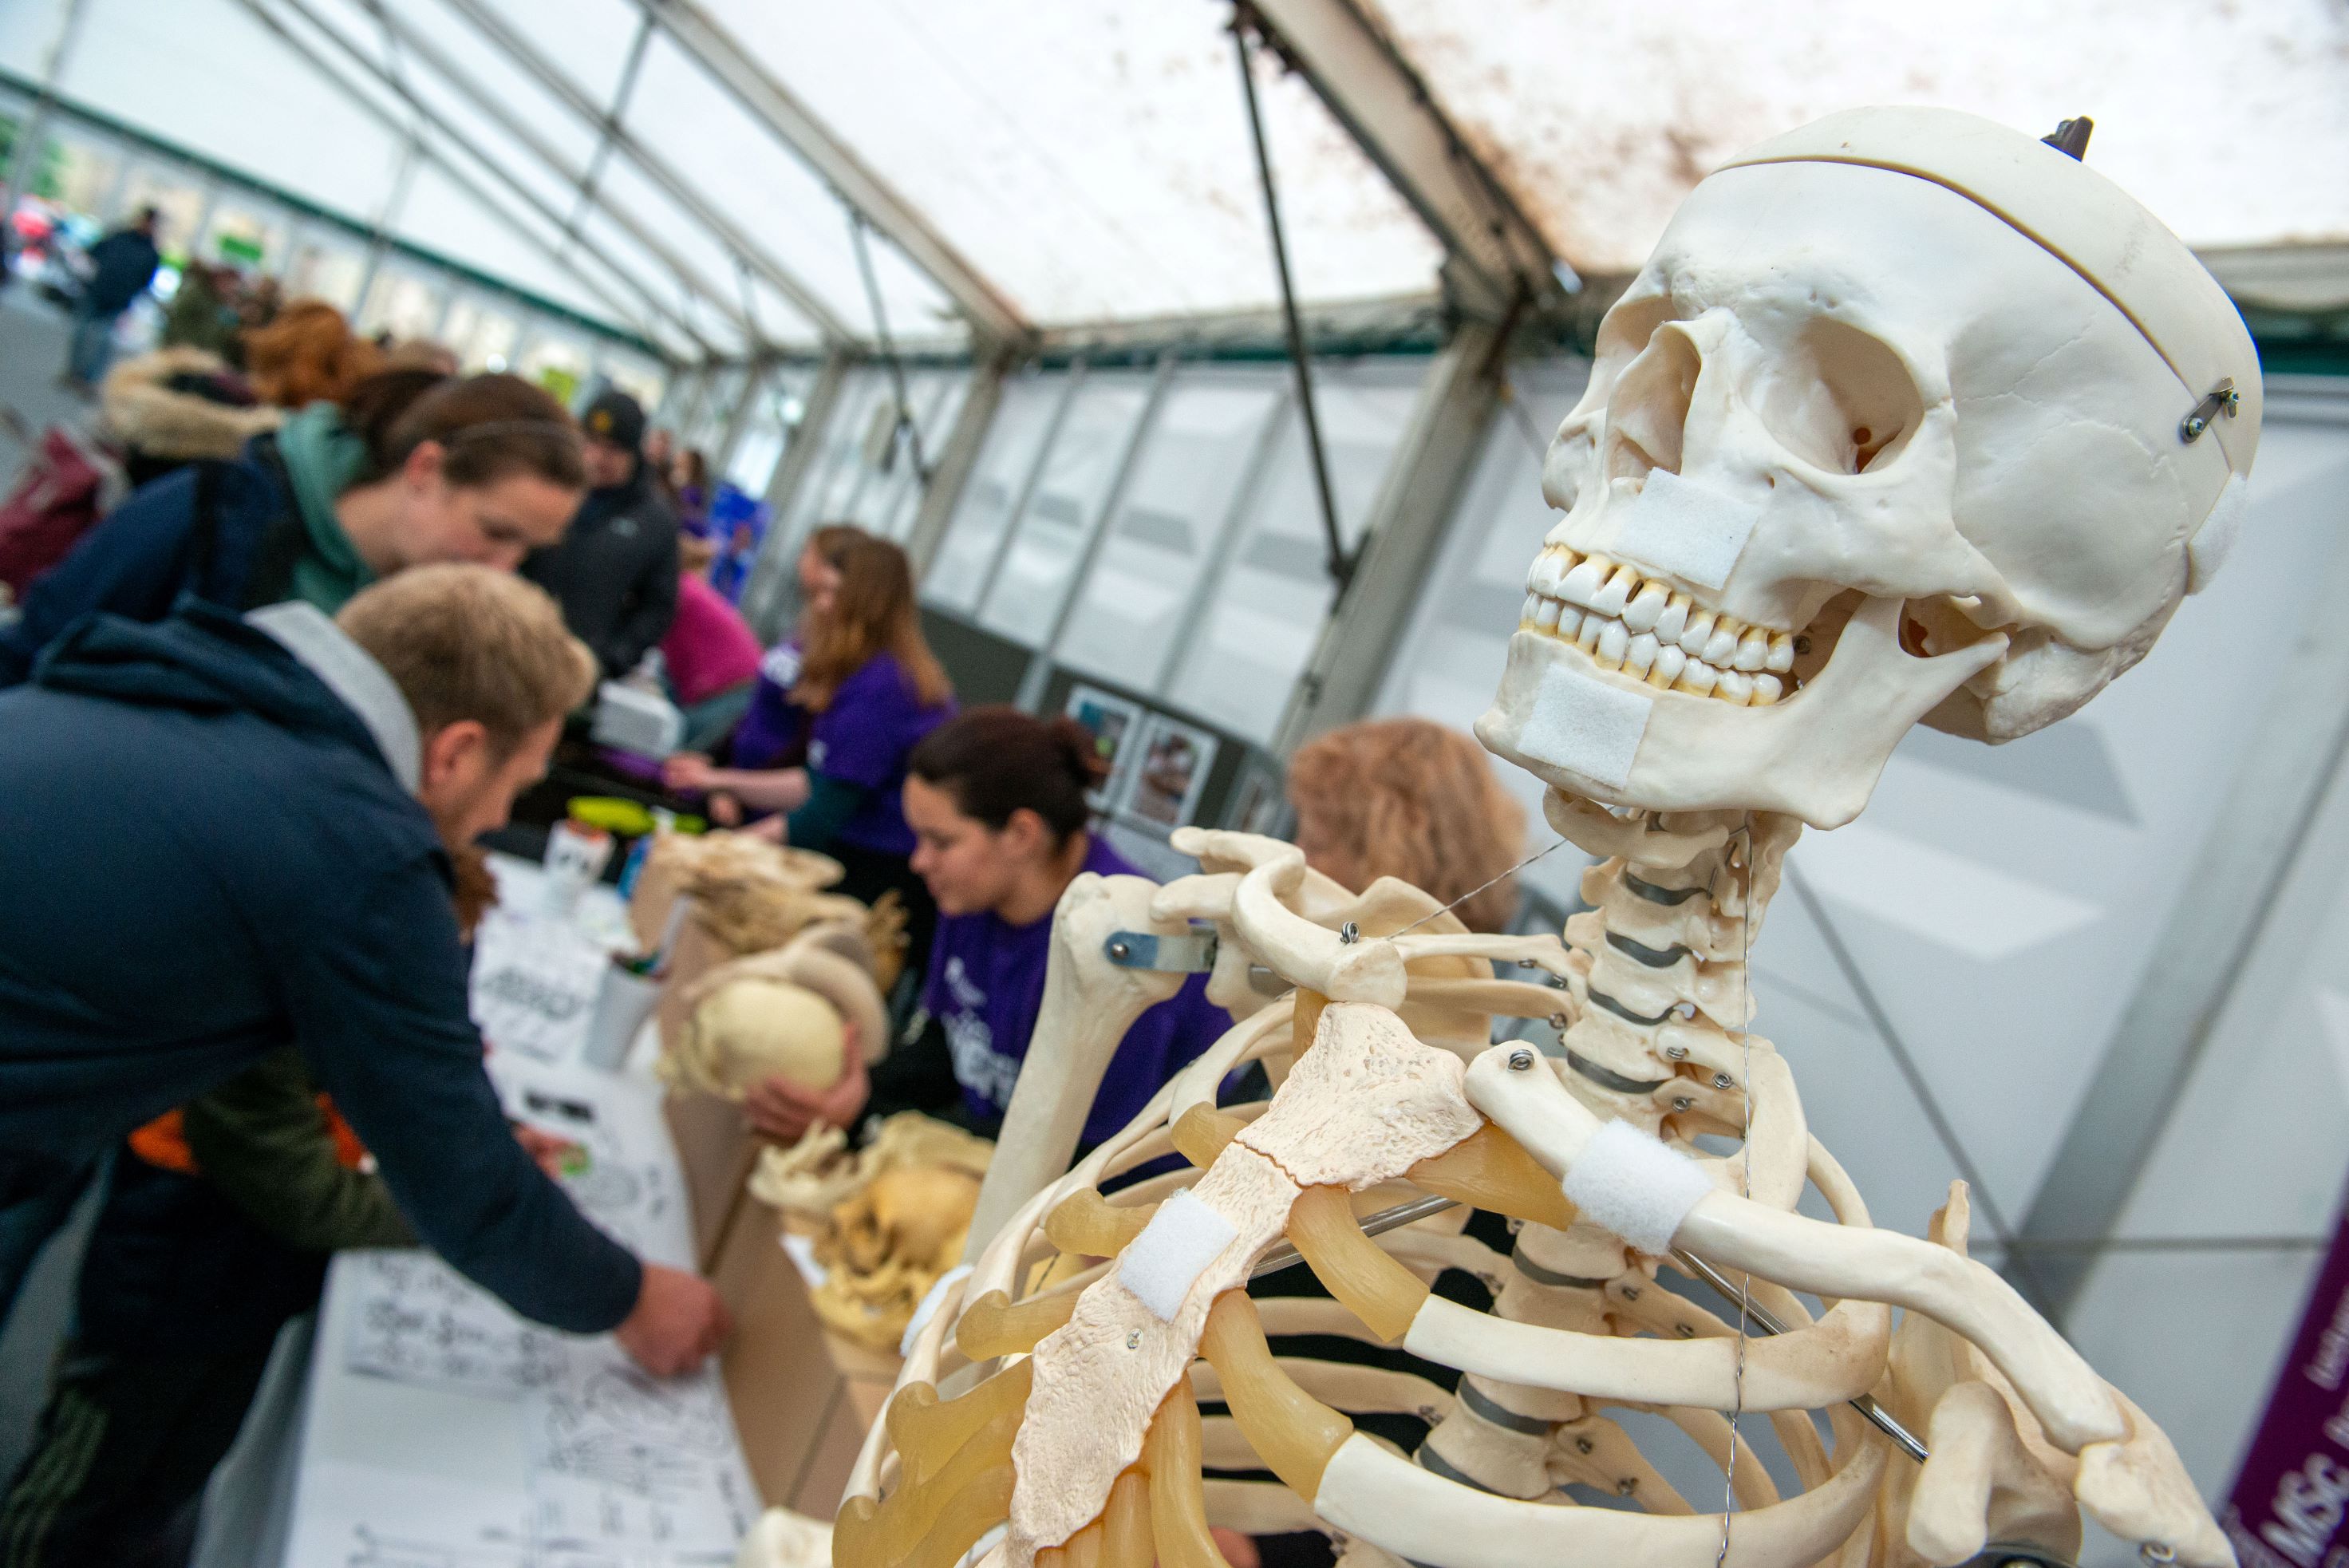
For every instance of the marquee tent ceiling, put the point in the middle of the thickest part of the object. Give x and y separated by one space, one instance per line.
690 170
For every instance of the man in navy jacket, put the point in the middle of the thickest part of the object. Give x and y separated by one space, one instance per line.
121 267
227 835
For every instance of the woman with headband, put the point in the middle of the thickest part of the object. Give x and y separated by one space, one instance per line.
409 468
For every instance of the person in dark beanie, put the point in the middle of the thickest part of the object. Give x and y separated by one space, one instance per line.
614 571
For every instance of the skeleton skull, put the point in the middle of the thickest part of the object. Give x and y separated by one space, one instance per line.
1877 434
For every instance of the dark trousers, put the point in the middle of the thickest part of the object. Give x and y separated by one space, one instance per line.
119 1463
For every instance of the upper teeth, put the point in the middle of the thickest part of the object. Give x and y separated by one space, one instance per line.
1651 631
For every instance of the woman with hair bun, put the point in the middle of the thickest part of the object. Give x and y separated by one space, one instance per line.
996 799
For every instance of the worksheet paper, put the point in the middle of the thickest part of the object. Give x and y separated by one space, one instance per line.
498 1444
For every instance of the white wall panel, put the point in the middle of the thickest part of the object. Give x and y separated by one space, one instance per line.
1169 524
959 573
1261 625
1050 539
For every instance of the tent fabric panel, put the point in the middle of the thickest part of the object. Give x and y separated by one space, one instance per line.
439 215
1600 119
1093 158
744 172
587 40
208 77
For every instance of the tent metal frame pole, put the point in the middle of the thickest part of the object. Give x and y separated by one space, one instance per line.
654 167
958 459
1497 253
1406 529
412 152
469 88
464 181
1300 359
33 130
621 91
735 68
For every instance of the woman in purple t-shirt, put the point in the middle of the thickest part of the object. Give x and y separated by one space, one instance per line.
867 688
997 802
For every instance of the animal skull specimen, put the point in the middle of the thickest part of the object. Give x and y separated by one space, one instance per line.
889 1219
1892 428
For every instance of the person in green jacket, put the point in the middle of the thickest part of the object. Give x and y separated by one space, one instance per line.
409 468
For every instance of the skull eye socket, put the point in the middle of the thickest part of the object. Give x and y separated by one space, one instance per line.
1839 398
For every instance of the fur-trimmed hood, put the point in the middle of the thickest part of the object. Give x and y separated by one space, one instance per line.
143 412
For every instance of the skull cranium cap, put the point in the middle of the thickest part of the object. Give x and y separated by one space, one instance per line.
2096 228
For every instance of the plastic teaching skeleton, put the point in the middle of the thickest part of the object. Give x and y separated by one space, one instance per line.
1909 417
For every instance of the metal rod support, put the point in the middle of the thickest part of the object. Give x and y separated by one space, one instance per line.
1341 565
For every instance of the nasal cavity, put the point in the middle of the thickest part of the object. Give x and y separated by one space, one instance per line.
1646 414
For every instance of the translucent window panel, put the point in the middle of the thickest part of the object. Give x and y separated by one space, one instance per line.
1168 525
82 174
197 76
1023 418
557 361
326 268
838 466
1039 564
484 66
481 335
1599 160
742 169
244 237
401 304
1274 590
858 433
441 215
1449 657
714 266
710 421
1092 158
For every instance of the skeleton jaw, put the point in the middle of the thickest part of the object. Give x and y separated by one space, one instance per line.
1568 717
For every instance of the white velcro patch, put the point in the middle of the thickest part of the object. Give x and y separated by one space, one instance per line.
1686 528
1160 1265
1585 725
2205 552
1634 1186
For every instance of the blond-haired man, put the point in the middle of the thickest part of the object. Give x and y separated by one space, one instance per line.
231 840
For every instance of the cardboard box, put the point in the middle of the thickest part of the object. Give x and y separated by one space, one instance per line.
803 1400
716 1150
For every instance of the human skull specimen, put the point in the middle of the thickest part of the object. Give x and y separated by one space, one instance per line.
1899 423
753 1028
1861 448
794 1014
